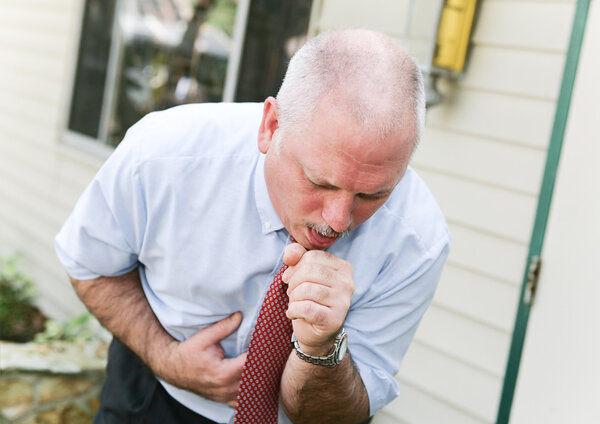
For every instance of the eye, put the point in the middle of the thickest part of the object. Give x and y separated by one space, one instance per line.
372 197
320 186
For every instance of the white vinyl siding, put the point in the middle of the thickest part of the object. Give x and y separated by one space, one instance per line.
40 178
483 154
559 374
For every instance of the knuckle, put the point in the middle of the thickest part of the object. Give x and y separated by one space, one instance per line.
310 292
315 313
305 308
308 310
320 293
320 316
312 255
309 255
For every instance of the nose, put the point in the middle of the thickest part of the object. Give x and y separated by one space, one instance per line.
337 211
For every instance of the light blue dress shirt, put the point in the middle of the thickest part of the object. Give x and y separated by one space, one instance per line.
184 198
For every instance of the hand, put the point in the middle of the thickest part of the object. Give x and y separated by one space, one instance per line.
199 364
320 287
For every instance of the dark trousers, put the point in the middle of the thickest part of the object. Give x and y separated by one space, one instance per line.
132 394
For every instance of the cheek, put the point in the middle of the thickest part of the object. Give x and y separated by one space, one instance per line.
307 201
364 210
309 204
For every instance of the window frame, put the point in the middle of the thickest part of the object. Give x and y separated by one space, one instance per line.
98 146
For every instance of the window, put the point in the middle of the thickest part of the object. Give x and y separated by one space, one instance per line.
90 80
137 56
275 30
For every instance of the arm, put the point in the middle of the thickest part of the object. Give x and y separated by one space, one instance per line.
197 364
312 393
320 289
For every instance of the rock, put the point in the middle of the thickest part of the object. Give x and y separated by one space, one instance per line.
54 357
16 397
67 413
49 383
55 388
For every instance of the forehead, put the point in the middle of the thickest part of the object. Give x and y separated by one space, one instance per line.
336 150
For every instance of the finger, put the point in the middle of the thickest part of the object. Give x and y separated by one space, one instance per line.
225 382
224 394
293 253
308 311
309 291
325 258
312 273
220 329
233 366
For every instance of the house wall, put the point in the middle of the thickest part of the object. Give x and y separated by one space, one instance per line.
482 154
558 379
40 177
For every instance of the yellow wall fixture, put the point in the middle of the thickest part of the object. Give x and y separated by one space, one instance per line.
454 32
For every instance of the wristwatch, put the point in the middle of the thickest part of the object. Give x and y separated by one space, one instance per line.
334 358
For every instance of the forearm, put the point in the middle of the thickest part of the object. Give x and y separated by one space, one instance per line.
121 306
317 394
196 364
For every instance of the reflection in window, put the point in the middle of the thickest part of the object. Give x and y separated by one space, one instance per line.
164 53
275 30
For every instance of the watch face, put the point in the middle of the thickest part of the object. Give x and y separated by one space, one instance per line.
343 348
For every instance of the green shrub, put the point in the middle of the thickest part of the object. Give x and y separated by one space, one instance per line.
19 318
74 330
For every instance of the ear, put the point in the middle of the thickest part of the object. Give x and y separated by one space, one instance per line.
269 124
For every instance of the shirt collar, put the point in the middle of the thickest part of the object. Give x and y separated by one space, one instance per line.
268 217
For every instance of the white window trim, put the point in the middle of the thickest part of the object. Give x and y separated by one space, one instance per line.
235 60
111 85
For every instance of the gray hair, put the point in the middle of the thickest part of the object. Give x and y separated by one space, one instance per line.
368 72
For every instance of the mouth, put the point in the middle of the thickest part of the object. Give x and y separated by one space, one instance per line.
322 238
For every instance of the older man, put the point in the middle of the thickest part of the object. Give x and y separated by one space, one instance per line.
177 246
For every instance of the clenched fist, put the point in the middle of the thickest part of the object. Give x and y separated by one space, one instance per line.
320 287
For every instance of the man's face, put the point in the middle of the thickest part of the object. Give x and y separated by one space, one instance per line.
330 177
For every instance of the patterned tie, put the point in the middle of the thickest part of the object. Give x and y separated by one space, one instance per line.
258 396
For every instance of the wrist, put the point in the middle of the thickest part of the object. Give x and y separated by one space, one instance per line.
317 350
328 357
163 359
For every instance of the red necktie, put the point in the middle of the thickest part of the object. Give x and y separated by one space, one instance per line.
258 396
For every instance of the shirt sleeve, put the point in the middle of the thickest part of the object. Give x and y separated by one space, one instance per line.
103 234
381 327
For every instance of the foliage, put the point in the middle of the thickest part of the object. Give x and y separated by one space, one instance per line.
77 329
21 321
222 15
19 318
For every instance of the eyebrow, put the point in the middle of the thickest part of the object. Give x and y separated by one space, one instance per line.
323 183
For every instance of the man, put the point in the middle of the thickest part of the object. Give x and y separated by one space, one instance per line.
176 241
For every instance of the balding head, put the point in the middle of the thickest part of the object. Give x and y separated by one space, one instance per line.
361 72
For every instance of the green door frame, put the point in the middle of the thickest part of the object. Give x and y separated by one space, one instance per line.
543 208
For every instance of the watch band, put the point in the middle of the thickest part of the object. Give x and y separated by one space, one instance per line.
331 360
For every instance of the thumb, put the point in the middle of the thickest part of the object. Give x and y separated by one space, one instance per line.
293 253
221 329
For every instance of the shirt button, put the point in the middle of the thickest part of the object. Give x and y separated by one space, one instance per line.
268 225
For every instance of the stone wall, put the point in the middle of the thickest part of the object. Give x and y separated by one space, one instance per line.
51 383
